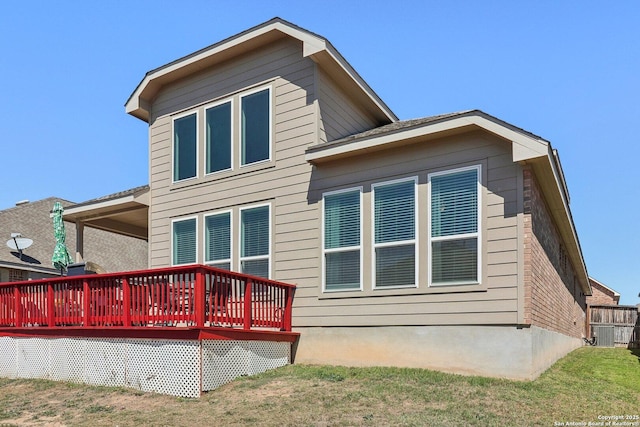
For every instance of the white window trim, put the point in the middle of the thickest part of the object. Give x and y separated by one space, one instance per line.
173 146
478 234
239 115
252 258
173 221
413 241
204 238
204 137
350 248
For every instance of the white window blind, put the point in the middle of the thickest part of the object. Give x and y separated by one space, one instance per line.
255 241
218 240
184 241
342 231
394 210
454 210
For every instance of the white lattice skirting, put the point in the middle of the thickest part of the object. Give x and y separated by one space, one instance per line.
179 368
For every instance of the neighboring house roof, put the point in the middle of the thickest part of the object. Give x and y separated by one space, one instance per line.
32 220
125 212
526 147
604 288
314 46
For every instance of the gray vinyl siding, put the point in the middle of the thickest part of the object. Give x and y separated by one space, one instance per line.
308 107
339 115
282 183
493 302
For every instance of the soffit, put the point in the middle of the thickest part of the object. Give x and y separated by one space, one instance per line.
127 215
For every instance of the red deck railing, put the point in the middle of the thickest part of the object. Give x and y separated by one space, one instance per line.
195 296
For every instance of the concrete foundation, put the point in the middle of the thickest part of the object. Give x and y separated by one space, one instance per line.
495 351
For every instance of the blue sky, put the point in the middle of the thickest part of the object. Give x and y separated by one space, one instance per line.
567 71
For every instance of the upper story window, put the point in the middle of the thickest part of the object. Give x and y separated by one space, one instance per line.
235 132
255 124
185 146
218 137
342 240
454 206
184 241
394 229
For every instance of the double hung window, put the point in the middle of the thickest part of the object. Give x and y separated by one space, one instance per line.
255 237
394 229
184 241
185 143
217 229
454 203
342 240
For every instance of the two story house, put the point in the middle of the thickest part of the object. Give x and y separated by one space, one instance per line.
443 242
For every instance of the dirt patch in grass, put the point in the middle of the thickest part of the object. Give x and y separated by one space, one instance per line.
587 383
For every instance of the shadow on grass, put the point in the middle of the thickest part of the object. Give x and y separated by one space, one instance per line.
635 352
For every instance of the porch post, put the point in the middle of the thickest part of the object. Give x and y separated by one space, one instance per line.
51 306
199 298
247 304
86 315
126 303
17 306
79 241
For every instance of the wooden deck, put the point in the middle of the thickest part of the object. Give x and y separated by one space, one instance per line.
174 300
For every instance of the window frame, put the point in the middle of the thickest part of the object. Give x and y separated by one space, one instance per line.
241 148
477 234
349 248
205 109
197 243
231 235
173 145
414 241
240 240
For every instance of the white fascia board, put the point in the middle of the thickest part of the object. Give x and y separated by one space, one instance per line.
524 147
105 204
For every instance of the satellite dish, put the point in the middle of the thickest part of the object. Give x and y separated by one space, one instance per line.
19 243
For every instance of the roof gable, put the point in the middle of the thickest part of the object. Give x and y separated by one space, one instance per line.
313 46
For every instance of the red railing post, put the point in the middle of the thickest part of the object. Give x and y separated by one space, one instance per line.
51 306
17 306
198 297
247 304
288 309
126 303
86 304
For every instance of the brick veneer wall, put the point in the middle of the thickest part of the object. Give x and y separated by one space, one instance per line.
553 298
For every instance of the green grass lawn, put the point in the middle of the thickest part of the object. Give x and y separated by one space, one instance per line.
588 384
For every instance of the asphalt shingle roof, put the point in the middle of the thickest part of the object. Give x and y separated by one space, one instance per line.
110 251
